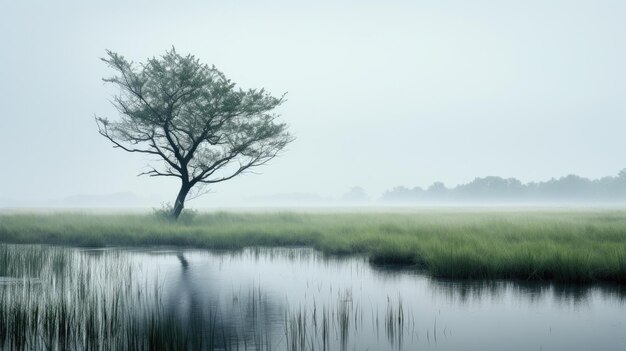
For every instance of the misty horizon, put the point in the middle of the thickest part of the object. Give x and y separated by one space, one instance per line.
569 189
405 94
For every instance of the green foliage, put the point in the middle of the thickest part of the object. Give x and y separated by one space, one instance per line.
573 246
164 213
202 127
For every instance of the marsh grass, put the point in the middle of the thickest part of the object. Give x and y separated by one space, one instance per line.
100 302
58 300
331 325
566 246
87 302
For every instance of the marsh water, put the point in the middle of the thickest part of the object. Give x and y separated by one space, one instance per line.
284 299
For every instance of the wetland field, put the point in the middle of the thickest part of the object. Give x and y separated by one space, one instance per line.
561 245
428 279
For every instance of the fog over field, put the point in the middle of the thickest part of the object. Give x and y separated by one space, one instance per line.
405 93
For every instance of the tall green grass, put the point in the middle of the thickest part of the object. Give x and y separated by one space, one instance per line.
567 246
54 298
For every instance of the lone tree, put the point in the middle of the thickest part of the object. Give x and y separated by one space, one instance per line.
195 122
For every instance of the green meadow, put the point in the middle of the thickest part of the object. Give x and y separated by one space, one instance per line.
557 245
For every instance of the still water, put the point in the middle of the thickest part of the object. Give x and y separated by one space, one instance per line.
300 299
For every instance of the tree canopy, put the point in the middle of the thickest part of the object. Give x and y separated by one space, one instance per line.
195 121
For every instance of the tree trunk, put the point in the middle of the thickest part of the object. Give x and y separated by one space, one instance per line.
179 204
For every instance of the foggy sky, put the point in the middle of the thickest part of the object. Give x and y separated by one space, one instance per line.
380 94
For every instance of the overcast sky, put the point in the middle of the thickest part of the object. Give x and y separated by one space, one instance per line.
380 94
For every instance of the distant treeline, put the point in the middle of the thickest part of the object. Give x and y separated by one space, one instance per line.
570 188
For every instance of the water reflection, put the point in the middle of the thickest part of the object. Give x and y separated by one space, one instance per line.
289 299
313 301
463 292
204 305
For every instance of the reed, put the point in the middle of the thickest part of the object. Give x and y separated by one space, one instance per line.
566 246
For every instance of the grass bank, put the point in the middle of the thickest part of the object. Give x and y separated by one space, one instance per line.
567 246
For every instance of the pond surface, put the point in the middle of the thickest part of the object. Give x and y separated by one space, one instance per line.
288 299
